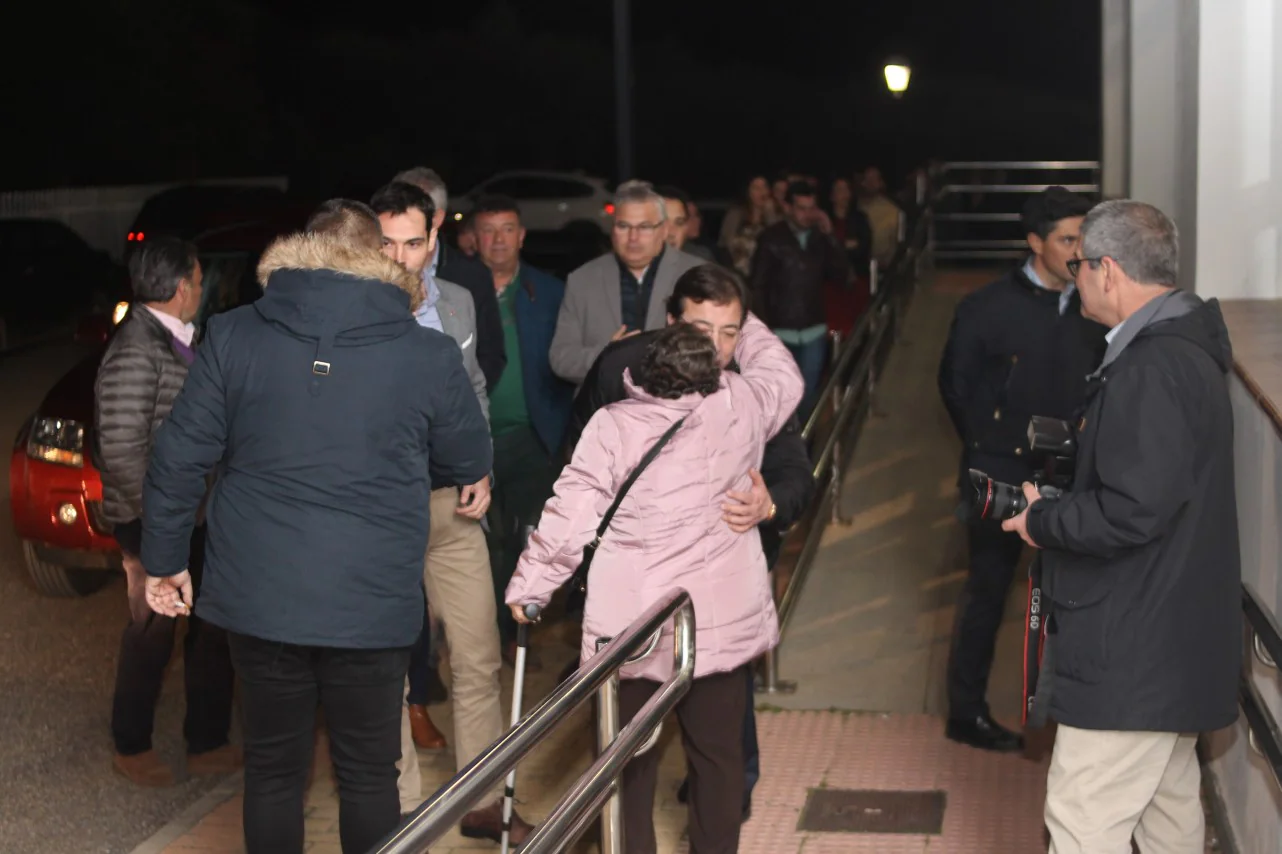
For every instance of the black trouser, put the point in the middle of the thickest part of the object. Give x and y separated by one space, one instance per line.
994 556
711 719
360 691
523 477
145 649
421 665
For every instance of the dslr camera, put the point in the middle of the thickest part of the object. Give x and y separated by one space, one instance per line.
1053 446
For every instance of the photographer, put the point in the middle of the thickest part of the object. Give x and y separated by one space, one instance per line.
1141 565
1018 347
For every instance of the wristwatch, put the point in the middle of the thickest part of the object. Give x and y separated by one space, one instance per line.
774 511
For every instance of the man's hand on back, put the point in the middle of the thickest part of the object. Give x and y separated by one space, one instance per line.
745 510
622 332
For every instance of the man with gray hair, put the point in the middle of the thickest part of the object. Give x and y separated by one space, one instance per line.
450 265
624 291
1139 576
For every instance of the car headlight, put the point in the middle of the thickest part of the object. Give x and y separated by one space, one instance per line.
57 440
119 312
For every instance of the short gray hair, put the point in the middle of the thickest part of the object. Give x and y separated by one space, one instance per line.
429 182
640 192
1143 241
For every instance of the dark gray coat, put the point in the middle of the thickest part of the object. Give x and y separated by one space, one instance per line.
1141 561
140 375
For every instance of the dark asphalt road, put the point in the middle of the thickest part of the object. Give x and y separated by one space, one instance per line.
58 793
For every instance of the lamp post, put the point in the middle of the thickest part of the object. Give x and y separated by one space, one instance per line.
623 87
897 74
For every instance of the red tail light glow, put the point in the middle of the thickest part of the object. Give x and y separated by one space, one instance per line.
609 211
135 236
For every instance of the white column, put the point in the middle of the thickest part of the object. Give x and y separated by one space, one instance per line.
1239 217
1115 98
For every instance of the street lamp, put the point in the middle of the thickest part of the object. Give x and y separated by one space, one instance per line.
897 75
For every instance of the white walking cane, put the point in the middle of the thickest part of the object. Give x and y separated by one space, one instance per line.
518 688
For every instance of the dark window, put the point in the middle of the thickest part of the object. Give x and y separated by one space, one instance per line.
535 188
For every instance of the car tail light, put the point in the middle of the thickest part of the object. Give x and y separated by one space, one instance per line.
57 440
135 237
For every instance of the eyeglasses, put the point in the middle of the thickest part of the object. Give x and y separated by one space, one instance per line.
1075 264
643 227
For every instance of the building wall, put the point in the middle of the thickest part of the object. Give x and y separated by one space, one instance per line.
1252 799
1239 173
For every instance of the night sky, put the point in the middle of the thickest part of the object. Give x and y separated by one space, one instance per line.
123 91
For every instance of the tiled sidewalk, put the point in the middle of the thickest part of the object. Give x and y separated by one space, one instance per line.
993 801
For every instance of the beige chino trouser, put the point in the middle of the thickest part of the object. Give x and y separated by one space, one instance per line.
1105 787
456 571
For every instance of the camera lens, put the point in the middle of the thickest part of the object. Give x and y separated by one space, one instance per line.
992 499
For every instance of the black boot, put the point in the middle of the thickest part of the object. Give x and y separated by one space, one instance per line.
985 733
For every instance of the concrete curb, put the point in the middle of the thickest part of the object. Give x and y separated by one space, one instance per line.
192 815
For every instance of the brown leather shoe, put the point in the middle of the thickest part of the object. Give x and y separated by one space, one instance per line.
426 735
487 823
221 760
144 769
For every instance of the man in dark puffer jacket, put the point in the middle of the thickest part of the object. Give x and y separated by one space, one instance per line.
321 404
140 375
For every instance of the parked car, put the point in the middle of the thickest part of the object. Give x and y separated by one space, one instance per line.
550 201
193 209
55 490
50 279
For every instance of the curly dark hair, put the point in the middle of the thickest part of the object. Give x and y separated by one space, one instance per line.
681 360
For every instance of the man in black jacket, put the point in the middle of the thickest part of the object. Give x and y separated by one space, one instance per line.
712 300
141 373
324 405
454 266
795 260
1141 568
1018 347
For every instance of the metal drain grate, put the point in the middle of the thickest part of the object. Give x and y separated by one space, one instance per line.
872 811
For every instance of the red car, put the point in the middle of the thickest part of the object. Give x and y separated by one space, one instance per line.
55 491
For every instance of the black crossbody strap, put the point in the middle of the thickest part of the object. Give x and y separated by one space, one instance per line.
632 478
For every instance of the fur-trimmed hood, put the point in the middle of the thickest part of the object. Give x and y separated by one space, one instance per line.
306 251
317 288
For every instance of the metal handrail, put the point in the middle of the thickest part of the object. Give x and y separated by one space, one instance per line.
1264 628
1050 165
439 813
1263 733
990 246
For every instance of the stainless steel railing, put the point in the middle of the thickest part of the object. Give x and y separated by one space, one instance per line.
1266 645
833 427
976 217
599 784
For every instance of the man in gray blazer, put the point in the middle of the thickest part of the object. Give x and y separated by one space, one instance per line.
621 293
456 568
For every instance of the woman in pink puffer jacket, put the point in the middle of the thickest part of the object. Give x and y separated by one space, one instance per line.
669 534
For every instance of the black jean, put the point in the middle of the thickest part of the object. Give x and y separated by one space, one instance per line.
360 691
523 477
145 650
421 666
994 556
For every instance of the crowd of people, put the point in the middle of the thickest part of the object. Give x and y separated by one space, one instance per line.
401 443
